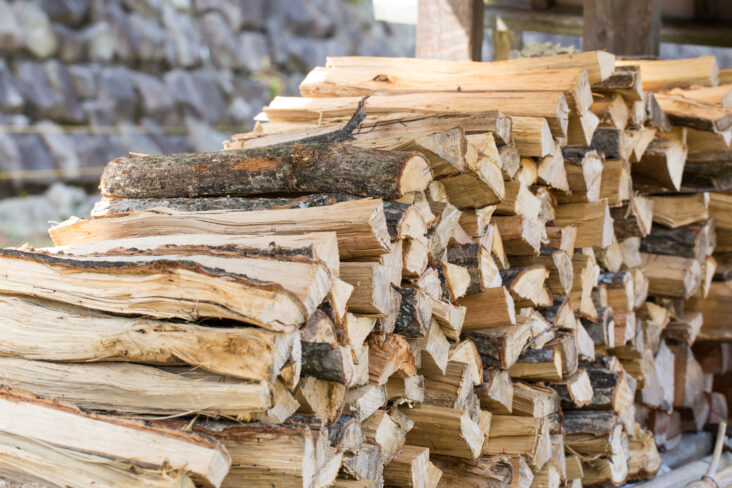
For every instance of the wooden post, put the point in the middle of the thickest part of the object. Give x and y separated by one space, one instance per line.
450 29
623 27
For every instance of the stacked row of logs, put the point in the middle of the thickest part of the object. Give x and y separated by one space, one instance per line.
426 274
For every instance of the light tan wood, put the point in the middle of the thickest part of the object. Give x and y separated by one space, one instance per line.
532 136
677 210
592 220
518 200
720 209
713 95
662 165
492 307
671 73
616 185
671 276
551 171
584 174
611 110
496 393
445 431
580 128
520 235
371 287
715 309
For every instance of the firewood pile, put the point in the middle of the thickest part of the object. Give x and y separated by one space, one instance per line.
420 274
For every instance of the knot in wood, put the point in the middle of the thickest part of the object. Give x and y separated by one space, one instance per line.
304 155
381 77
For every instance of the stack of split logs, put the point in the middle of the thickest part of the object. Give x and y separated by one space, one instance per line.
421 274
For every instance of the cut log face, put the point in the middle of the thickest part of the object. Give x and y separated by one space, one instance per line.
204 286
304 168
447 431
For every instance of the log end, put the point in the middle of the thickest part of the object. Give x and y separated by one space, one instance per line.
416 174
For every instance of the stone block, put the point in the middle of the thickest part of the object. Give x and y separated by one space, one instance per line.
221 42
10 97
41 99
156 100
38 35
150 37
198 94
11 36
60 81
183 47
254 50
60 146
116 92
70 12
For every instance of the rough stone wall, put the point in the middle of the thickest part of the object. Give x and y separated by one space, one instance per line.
85 81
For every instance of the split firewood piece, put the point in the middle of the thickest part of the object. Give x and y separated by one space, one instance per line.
655 116
345 433
388 430
465 352
697 115
446 431
573 464
661 167
412 469
526 436
542 331
362 402
612 110
510 160
613 390
671 73
392 356
671 276
612 469
496 392
574 391
586 273
319 246
592 220
532 136
560 314
677 210
451 388
518 200
685 328
492 307
354 331
415 311
455 281
613 143
538 365
415 257
393 261
401 390
712 95
619 290
477 259
435 344
547 204
134 443
644 461
561 238
713 357
500 347
551 170
404 221
360 225
566 344
362 463
584 174
296 452
644 137
585 344
308 168
321 399
445 151
547 476
693 241
439 236
688 377
609 258
475 188
128 388
520 235
580 127
274 294
716 311
630 251
720 206
449 318
429 283
633 219
625 80
534 400
616 184
371 287
637 361
398 124
593 432
558 265
476 221
52 331
335 306
523 475
486 471
526 285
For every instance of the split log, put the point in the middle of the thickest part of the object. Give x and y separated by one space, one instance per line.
534 400
616 184
360 225
575 391
526 436
479 263
580 127
496 392
500 347
521 235
392 356
688 377
532 136
388 430
672 73
561 238
415 311
689 113
493 307
538 365
661 166
189 286
691 241
526 285
612 110
560 314
671 276
321 399
412 469
445 431
310 168
634 218
557 263
678 210
625 80
134 443
584 174
484 472
592 220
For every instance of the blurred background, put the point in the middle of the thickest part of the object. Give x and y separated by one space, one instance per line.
85 81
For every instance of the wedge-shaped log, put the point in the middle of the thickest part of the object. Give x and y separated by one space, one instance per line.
486 471
671 276
593 221
305 168
661 167
692 241
526 285
477 259
52 331
538 365
492 307
388 430
534 400
371 287
445 431
41 464
187 287
521 235
360 225
392 356
131 443
137 389
496 392
716 309
557 263
412 469
584 174
500 347
515 435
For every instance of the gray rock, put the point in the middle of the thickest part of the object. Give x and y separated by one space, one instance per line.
183 47
254 13
116 91
27 218
198 93
42 100
96 150
10 158
150 8
150 36
157 102
168 143
11 36
221 42
60 146
242 112
301 54
96 113
100 42
253 90
38 35
70 12
137 140
230 10
10 97
83 78
71 43
67 200
302 18
111 12
35 157
254 50
60 80
182 5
